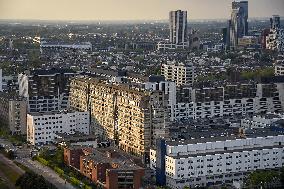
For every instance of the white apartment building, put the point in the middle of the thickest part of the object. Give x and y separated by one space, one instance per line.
231 107
261 121
279 69
42 128
180 73
218 160
267 98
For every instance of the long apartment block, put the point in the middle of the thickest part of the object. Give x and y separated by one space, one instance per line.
215 160
132 117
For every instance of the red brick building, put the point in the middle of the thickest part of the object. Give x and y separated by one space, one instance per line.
111 169
72 156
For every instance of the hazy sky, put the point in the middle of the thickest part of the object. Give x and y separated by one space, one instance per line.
129 9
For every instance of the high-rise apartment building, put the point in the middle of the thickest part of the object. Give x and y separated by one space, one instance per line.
239 22
180 73
45 90
131 117
178 27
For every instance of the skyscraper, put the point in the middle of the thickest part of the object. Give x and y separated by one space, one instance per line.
275 22
239 21
178 27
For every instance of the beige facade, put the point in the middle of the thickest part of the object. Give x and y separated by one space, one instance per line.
13 113
131 117
180 73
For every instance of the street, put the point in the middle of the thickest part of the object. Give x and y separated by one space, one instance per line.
23 157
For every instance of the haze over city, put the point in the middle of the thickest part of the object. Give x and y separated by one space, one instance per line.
141 94
129 9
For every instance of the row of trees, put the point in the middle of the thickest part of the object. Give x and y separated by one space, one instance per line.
55 160
30 180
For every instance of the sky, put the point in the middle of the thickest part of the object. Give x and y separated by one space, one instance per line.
99 10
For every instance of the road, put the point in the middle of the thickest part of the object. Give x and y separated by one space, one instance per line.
23 157
46 172
10 164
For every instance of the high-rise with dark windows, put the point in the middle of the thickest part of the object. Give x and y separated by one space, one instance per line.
239 22
178 27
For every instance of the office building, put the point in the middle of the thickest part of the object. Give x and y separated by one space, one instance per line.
13 113
180 73
130 116
45 90
42 128
279 68
239 22
216 160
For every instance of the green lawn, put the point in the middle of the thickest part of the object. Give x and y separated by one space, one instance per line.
9 173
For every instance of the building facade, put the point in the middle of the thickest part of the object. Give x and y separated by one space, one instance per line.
131 117
229 100
42 128
178 27
111 170
275 38
13 113
45 90
239 22
215 161
180 73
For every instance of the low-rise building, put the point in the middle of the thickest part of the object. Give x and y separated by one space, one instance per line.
42 128
111 169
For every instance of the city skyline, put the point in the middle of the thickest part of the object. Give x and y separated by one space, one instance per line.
129 9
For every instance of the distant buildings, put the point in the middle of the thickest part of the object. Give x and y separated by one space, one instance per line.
1 81
180 73
42 128
215 160
13 113
238 25
44 45
45 90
